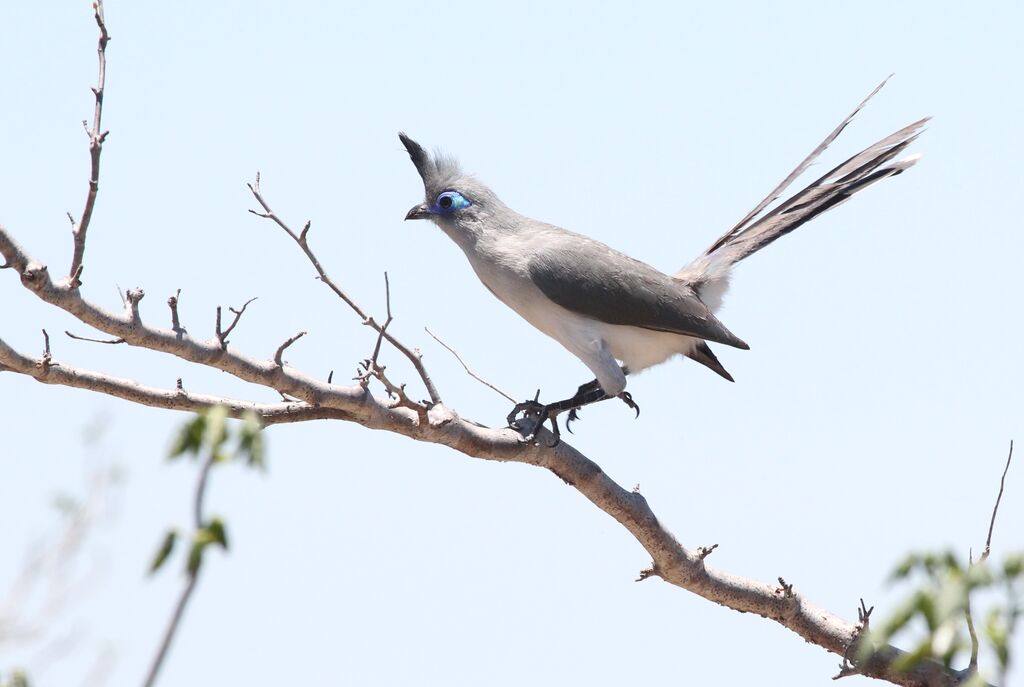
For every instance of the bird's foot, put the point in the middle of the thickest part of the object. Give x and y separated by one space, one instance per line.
538 413
628 400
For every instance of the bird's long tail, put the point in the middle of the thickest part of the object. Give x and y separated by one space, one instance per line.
709 273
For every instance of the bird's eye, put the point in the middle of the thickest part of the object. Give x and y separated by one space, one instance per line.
450 201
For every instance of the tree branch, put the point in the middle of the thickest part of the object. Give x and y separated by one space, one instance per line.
414 356
671 561
168 399
96 139
437 424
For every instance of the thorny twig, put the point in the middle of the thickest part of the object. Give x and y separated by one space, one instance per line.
466 367
96 139
414 356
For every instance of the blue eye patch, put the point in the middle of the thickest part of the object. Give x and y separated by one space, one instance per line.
448 202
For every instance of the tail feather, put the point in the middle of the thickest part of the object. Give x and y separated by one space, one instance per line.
703 354
709 272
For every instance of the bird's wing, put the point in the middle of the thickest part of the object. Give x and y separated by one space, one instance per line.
591 279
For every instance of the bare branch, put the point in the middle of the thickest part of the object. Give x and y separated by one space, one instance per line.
170 399
96 139
172 303
134 296
972 666
466 367
99 341
222 336
414 356
282 347
47 360
383 329
995 509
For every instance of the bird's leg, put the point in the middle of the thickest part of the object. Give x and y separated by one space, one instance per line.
588 393
589 386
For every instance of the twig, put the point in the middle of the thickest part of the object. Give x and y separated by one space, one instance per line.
100 341
414 356
222 336
383 329
968 616
995 509
847 667
47 360
134 296
280 350
193 575
172 303
705 551
466 367
96 139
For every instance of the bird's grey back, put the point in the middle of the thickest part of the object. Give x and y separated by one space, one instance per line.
589 278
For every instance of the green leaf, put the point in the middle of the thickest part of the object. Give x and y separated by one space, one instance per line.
912 658
164 552
905 567
1013 566
899 619
218 533
190 438
998 635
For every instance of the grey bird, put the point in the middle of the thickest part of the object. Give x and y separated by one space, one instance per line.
616 314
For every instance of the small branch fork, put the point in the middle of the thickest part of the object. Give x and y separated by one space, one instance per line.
371 368
847 668
222 335
96 138
414 356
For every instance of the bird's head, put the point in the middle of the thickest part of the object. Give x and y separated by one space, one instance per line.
455 201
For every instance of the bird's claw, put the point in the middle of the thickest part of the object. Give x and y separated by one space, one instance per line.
628 400
528 409
538 412
572 417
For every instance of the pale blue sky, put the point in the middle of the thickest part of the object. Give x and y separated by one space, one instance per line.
870 417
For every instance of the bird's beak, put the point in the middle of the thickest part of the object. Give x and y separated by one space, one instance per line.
418 212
